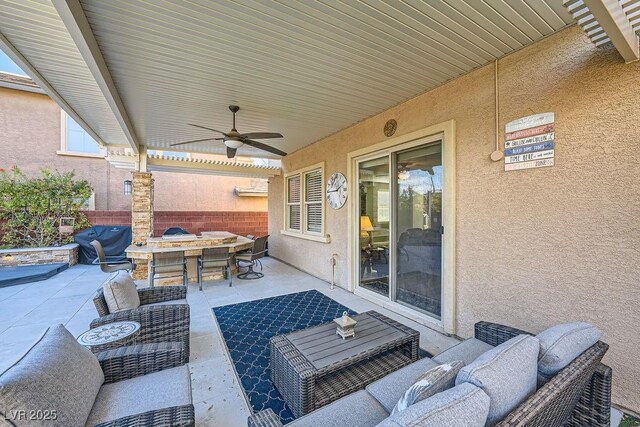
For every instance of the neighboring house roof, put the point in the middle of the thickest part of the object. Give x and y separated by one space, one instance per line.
18 82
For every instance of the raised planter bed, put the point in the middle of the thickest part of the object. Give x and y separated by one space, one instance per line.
34 256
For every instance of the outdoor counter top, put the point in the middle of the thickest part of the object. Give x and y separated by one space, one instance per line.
146 252
191 245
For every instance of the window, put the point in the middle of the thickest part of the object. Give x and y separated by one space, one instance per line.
383 206
75 140
304 203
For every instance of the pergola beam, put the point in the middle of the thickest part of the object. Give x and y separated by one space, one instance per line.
26 66
614 22
74 19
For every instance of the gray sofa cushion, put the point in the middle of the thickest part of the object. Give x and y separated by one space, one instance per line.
435 380
120 292
170 302
507 373
391 388
467 351
464 405
358 409
55 374
164 389
561 344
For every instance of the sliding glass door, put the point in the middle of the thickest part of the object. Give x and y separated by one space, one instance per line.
418 229
374 220
400 225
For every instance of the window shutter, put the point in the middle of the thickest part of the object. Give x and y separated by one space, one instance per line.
313 199
294 217
314 218
293 202
294 189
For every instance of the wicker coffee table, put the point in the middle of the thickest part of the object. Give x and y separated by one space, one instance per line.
314 367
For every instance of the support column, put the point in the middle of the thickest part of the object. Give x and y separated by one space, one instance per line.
141 216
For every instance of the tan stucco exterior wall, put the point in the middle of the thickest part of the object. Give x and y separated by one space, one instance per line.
536 247
30 133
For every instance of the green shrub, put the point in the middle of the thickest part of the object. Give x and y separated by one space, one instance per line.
32 208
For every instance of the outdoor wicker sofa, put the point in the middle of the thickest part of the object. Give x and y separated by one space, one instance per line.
59 382
578 395
163 315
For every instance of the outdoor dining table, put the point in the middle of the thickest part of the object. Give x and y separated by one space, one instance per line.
192 246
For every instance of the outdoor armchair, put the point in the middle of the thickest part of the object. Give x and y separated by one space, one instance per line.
251 258
163 315
140 385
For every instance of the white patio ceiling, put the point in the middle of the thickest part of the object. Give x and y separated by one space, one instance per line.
303 68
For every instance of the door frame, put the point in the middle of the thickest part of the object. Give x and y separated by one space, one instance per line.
446 133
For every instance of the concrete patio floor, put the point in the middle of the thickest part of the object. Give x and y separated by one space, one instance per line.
26 310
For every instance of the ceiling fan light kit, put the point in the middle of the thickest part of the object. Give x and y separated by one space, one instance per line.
234 139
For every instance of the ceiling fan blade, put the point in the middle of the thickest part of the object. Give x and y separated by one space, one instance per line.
195 140
231 152
264 147
260 135
204 127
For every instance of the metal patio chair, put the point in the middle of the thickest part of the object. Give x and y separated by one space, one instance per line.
109 266
213 260
249 259
166 265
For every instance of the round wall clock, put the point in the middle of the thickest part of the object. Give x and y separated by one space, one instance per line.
337 190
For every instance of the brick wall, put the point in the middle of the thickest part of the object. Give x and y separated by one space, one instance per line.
242 223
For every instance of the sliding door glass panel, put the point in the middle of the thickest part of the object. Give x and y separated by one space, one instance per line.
418 228
373 232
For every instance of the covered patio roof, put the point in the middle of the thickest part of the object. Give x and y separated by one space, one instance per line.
136 73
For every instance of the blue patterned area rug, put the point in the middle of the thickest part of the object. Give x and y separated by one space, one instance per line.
247 328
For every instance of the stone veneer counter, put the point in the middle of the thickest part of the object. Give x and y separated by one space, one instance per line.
192 247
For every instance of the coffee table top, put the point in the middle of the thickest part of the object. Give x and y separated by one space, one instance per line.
108 333
322 347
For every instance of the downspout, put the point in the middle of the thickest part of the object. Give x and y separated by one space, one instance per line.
497 154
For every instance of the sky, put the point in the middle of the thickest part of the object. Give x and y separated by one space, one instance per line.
8 66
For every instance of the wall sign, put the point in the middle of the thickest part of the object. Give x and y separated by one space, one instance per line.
529 142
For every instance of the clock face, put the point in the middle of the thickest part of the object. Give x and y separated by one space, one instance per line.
337 190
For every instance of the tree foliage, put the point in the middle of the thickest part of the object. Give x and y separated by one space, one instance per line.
32 209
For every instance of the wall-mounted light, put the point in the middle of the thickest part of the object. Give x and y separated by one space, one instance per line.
128 187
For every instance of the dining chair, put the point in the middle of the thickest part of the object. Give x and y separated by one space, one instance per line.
249 259
213 260
109 266
166 265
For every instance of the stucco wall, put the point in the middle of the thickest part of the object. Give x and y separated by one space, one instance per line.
534 247
30 136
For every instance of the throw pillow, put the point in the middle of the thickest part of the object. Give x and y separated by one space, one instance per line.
433 381
561 344
120 292
506 373
463 405
56 378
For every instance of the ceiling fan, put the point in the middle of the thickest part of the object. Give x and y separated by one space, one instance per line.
234 139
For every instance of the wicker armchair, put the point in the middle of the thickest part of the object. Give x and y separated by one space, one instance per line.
158 323
577 396
133 361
